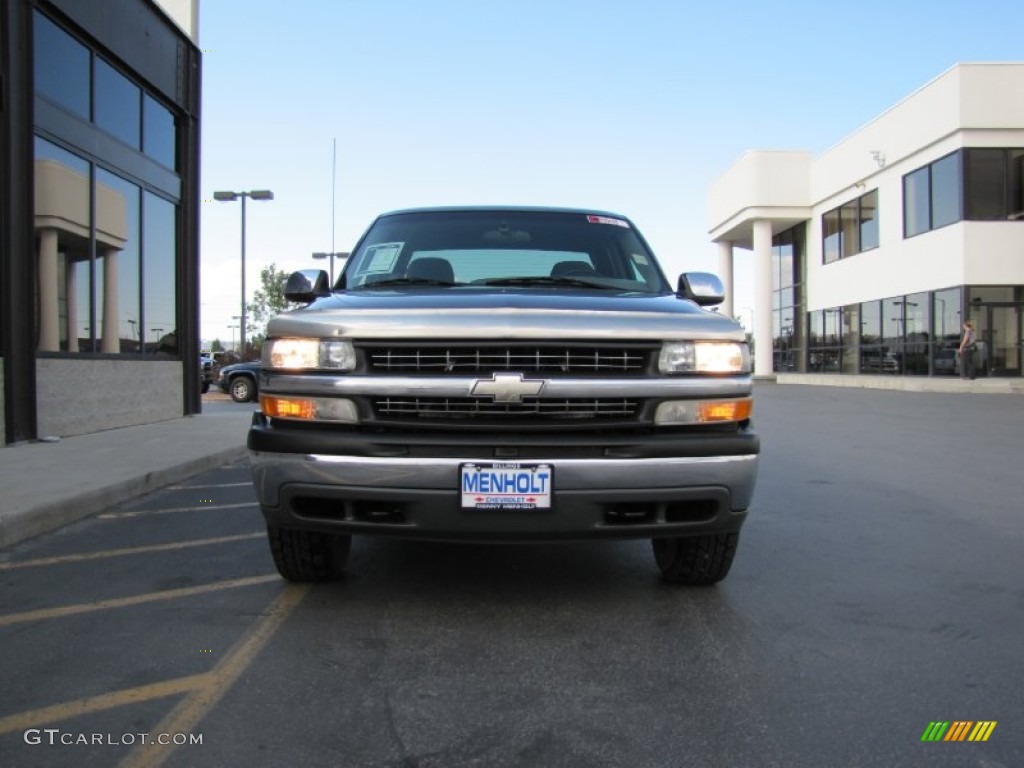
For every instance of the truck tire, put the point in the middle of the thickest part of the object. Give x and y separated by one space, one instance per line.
308 555
242 389
695 560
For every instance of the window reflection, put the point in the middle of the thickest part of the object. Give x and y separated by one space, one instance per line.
946 330
62 228
106 250
916 217
117 221
851 338
869 221
159 259
158 132
916 336
60 66
945 190
117 105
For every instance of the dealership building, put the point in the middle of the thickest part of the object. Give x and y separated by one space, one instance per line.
868 258
99 215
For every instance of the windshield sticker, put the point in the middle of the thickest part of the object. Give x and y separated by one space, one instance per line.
607 220
382 257
640 259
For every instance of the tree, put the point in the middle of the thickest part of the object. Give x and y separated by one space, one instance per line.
216 346
266 303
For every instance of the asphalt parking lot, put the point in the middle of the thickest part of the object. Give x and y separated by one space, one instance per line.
877 590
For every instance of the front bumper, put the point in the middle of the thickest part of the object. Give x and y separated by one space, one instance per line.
625 489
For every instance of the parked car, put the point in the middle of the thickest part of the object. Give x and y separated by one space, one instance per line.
205 372
240 381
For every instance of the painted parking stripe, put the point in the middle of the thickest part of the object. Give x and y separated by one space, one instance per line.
123 602
193 708
210 485
169 510
82 556
69 709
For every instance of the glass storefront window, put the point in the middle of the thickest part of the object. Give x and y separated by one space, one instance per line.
1015 188
985 177
117 245
831 236
60 67
916 336
63 256
945 331
785 272
158 132
869 221
916 214
117 106
848 224
159 267
946 191
851 338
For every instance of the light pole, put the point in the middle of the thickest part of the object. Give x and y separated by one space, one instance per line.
232 327
340 255
226 197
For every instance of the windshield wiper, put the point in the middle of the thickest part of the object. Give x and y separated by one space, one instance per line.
546 280
407 281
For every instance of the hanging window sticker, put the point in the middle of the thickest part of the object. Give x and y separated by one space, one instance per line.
607 220
382 257
640 260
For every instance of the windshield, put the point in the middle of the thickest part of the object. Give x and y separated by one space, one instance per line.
519 249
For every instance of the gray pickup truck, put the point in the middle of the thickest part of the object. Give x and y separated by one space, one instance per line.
504 374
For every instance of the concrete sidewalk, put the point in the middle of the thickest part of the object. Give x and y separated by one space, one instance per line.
47 485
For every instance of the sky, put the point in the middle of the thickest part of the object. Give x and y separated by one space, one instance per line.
345 109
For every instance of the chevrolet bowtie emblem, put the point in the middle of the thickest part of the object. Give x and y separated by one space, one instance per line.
507 387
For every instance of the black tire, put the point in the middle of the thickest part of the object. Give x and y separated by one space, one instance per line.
204 387
242 389
696 560
308 555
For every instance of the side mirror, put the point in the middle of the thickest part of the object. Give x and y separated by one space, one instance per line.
701 287
306 285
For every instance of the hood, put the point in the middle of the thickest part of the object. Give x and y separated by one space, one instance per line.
508 313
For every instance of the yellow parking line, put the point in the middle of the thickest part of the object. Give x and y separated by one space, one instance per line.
121 602
77 558
187 714
169 510
37 718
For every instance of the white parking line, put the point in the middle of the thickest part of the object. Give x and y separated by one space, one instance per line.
169 510
214 485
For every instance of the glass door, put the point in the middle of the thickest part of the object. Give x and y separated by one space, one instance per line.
1002 339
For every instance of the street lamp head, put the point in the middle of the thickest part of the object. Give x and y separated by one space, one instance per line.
225 196
261 194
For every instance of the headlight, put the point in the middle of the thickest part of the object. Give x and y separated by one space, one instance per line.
704 357
309 354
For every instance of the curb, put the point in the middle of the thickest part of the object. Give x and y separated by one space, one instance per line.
24 524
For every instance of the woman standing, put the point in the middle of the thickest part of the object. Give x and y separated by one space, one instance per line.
967 347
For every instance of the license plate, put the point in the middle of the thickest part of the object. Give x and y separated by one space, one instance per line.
506 485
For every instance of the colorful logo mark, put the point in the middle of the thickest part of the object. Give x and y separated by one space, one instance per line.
959 730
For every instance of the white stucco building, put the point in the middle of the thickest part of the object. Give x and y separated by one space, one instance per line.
868 257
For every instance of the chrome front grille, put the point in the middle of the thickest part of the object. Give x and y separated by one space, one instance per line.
487 359
474 408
